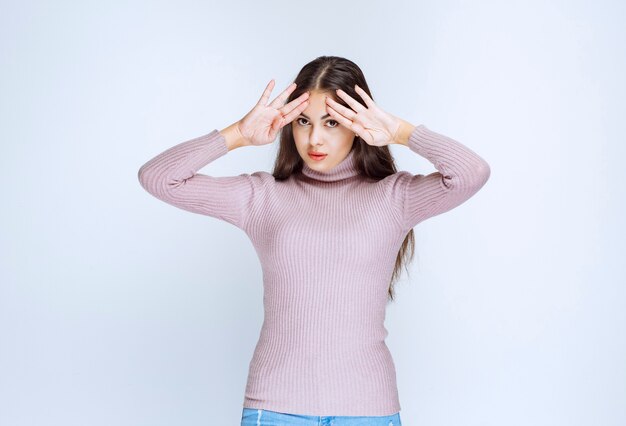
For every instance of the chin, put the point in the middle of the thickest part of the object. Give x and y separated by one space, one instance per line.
315 165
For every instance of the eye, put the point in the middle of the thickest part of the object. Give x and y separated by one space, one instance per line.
300 119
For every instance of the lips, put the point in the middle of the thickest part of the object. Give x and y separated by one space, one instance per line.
317 155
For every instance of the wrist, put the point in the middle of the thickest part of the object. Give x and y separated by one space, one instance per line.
404 131
233 136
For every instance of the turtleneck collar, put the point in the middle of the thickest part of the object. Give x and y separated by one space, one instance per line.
345 169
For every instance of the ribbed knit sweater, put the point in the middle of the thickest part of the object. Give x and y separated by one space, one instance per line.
327 243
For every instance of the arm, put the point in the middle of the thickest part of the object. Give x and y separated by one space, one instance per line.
172 177
460 174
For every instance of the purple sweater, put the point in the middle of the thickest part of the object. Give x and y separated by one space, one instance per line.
327 243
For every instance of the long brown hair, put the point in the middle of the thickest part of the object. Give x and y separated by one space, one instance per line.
328 73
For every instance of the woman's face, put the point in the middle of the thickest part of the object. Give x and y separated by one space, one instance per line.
314 130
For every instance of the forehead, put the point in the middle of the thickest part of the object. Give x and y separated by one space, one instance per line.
316 109
319 95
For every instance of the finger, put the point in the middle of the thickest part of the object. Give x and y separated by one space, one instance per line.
294 103
282 98
346 112
266 93
289 117
350 101
368 101
340 118
276 124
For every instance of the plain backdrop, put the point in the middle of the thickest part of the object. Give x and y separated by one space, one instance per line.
119 309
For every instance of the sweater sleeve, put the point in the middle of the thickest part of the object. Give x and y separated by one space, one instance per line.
460 174
172 177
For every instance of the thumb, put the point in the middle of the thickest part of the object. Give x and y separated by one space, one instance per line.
278 123
274 129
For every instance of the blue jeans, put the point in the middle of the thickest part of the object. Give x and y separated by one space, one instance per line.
260 417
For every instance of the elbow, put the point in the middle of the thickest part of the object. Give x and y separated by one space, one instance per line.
483 172
140 175
159 185
479 176
153 182
143 176
471 180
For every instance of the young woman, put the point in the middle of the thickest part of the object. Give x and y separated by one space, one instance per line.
333 226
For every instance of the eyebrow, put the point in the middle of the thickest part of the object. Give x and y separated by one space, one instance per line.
321 118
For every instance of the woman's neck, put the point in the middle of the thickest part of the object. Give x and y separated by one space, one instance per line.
344 170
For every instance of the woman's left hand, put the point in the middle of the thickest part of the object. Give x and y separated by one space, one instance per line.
375 126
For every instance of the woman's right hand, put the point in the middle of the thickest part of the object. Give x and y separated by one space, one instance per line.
261 125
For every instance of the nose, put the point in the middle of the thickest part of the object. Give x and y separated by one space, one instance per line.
314 137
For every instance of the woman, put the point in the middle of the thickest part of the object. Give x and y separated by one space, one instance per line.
333 226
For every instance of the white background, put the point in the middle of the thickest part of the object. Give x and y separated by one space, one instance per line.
118 309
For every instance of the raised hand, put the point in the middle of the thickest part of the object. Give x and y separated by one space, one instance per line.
375 126
260 126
